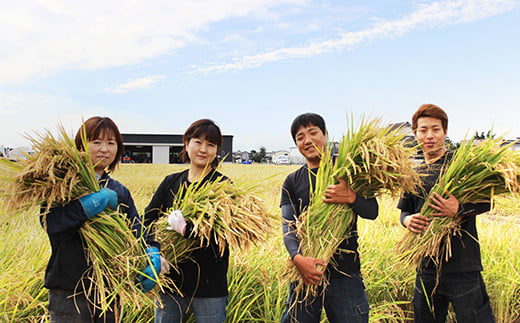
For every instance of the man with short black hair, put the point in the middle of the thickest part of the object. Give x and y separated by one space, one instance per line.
344 298
460 282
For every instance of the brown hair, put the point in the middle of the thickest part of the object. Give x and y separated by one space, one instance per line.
203 128
97 127
432 111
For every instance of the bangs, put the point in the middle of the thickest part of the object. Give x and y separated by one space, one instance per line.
209 132
100 128
202 129
101 132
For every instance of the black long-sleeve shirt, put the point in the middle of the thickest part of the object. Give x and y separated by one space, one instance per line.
296 192
205 273
465 247
68 267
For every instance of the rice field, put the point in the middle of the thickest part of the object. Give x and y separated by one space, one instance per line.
257 289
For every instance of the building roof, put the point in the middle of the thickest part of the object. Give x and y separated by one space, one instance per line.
402 125
157 138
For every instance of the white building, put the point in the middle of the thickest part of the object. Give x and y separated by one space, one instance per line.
18 153
295 157
164 148
280 157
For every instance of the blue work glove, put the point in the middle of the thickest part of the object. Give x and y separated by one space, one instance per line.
95 203
144 280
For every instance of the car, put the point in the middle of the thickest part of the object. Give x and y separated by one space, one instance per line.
281 160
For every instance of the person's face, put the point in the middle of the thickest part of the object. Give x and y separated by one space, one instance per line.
311 142
430 135
201 151
102 151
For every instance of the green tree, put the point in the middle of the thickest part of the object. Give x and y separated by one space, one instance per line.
450 145
490 135
483 136
259 156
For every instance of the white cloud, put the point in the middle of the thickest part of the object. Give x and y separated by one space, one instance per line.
42 37
140 83
9 103
37 112
429 15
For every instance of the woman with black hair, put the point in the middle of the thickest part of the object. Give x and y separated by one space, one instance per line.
202 279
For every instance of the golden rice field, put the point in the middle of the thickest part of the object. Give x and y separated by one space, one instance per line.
257 288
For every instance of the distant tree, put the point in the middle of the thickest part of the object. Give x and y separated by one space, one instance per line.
483 136
490 135
252 155
476 136
262 154
257 157
450 145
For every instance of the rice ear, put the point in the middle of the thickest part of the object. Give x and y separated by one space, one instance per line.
220 211
372 159
59 173
477 172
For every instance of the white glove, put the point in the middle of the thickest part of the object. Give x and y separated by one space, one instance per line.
176 222
165 266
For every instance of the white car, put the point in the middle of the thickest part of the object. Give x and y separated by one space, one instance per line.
281 160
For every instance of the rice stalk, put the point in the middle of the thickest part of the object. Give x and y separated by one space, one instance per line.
219 210
476 173
59 173
371 159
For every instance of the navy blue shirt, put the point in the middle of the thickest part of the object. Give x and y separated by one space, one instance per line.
68 267
296 192
465 247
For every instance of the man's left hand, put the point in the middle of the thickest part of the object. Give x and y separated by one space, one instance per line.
445 207
339 193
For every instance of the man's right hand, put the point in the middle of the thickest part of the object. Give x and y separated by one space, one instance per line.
307 267
416 223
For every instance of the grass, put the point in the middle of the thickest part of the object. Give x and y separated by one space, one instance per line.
23 257
257 293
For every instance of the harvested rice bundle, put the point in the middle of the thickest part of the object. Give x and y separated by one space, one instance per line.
55 175
219 210
476 173
371 159
59 173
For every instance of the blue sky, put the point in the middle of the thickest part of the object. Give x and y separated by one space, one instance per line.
254 65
